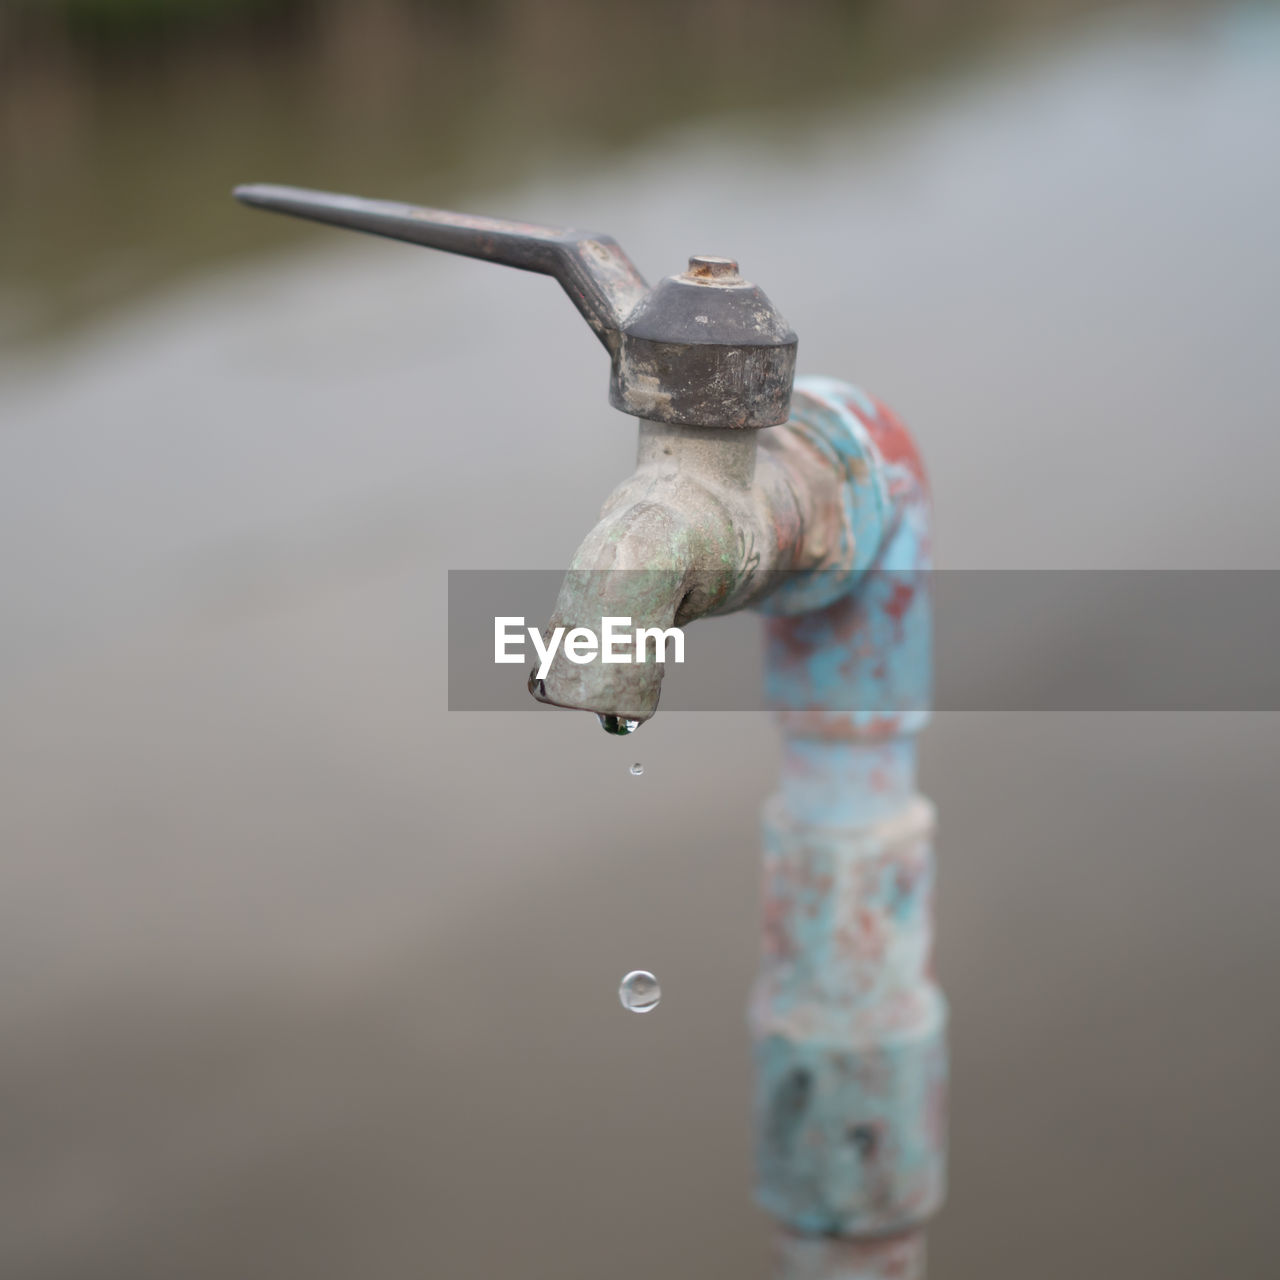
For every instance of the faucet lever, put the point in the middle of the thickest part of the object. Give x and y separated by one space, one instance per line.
704 348
599 278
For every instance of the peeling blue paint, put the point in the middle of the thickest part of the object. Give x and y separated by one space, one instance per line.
849 1025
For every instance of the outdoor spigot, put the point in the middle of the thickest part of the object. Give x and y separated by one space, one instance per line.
820 519
704 348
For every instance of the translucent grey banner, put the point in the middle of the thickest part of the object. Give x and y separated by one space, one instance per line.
1044 640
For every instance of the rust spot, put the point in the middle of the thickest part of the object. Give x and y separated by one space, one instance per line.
895 444
705 267
900 600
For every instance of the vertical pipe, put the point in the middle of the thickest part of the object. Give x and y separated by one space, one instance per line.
848 1023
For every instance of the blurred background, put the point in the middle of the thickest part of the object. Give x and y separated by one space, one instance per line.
302 975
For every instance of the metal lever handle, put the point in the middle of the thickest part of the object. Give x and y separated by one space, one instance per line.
598 277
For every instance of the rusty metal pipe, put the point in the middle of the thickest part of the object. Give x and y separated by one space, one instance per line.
824 524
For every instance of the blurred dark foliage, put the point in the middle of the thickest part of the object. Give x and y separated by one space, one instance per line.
90 23
124 122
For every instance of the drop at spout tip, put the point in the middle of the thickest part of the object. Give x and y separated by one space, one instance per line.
618 724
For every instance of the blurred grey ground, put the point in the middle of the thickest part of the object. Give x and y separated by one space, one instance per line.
304 976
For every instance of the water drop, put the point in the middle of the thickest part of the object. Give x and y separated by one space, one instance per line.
639 991
618 724
637 769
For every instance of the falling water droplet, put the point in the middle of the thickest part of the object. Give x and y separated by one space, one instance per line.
618 724
639 991
637 768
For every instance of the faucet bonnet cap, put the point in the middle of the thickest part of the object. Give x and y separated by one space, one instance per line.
705 348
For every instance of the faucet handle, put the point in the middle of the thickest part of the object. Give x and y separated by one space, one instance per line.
599 278
704 348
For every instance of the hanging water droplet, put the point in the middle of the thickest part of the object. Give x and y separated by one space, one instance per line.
637 769
639 991
617 724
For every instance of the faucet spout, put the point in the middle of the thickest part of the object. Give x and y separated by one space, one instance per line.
641 567
700 528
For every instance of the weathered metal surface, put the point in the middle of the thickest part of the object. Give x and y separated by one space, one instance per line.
704 348
899 1257
695 530
849 1027
825 526
592 269
707 349
847 1021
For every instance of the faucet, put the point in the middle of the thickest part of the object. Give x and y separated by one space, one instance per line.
805 500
